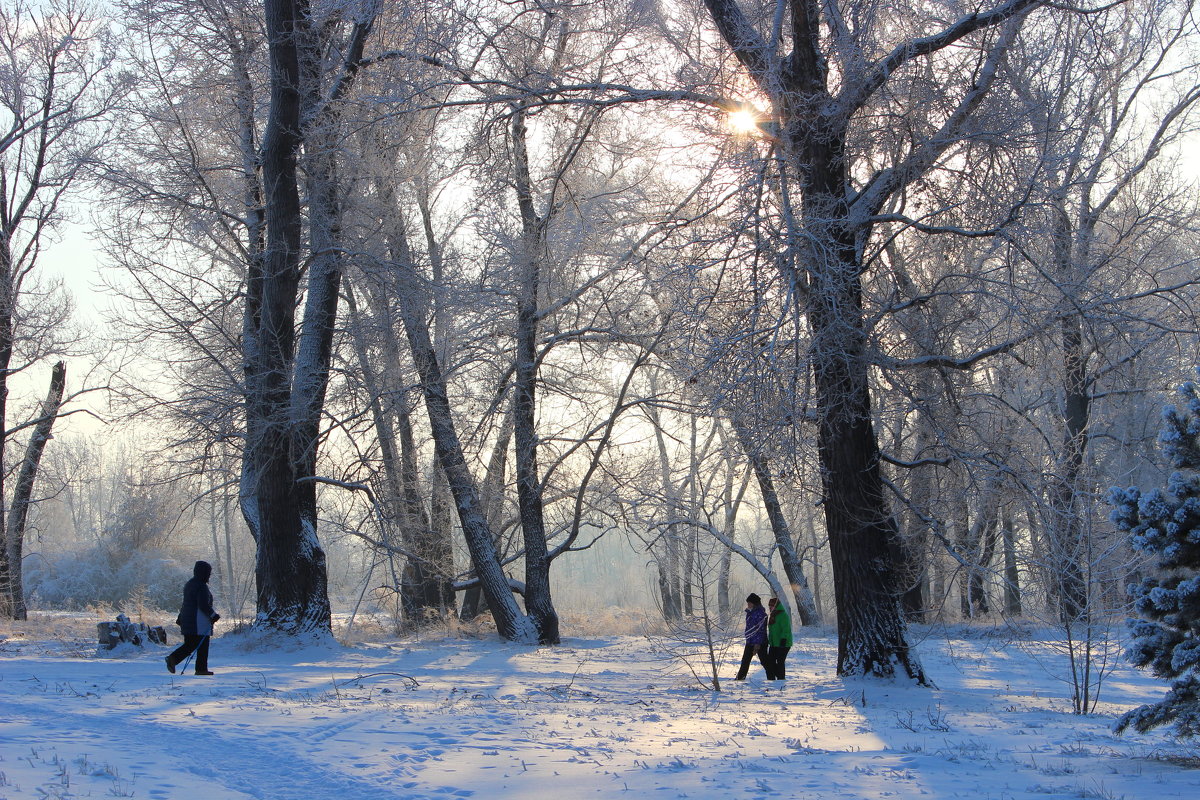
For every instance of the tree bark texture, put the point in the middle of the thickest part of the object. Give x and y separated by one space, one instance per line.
492 504
427 589
1069 254
6 350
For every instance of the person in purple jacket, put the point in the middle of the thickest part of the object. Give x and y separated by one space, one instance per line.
756 636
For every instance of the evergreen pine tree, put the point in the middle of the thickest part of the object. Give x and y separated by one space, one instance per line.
1165 523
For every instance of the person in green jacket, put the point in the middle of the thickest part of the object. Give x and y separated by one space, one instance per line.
779 639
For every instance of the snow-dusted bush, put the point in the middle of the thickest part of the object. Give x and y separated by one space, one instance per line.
1165 523
106 575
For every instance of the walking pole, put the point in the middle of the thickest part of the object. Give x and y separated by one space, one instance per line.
188 660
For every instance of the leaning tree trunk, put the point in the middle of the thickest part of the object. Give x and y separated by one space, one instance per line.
510 622
427 592
492 506
23 492
806 609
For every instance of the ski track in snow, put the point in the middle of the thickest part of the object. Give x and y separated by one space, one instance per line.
592 718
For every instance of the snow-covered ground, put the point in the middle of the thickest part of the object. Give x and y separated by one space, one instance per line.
457 718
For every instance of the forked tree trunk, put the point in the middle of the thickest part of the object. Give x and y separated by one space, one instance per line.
286 379
290 565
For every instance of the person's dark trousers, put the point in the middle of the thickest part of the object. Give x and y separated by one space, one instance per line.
768 662
190 643
748 656
776 656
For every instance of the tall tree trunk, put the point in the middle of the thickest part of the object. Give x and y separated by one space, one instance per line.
1067 531
1012 575
283 411
669 574
18 514
691 581
978 578
960 531
835 226
234 594
666 600
667 554
437 556
687 570
439 571
380 405
815 543
7 588
538 602
427 586
732 504
916 537
864 540
254 219
724 567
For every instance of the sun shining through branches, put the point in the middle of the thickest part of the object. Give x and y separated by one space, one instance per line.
743 121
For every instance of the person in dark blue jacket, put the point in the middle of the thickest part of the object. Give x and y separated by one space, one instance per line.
195 620
756 636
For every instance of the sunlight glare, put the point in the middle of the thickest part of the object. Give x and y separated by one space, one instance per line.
743 120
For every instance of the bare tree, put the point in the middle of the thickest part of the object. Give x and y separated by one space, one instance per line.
1114 94
836 69
56 99
286 365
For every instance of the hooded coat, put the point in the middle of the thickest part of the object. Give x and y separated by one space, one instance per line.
779 628
756 626
196 615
